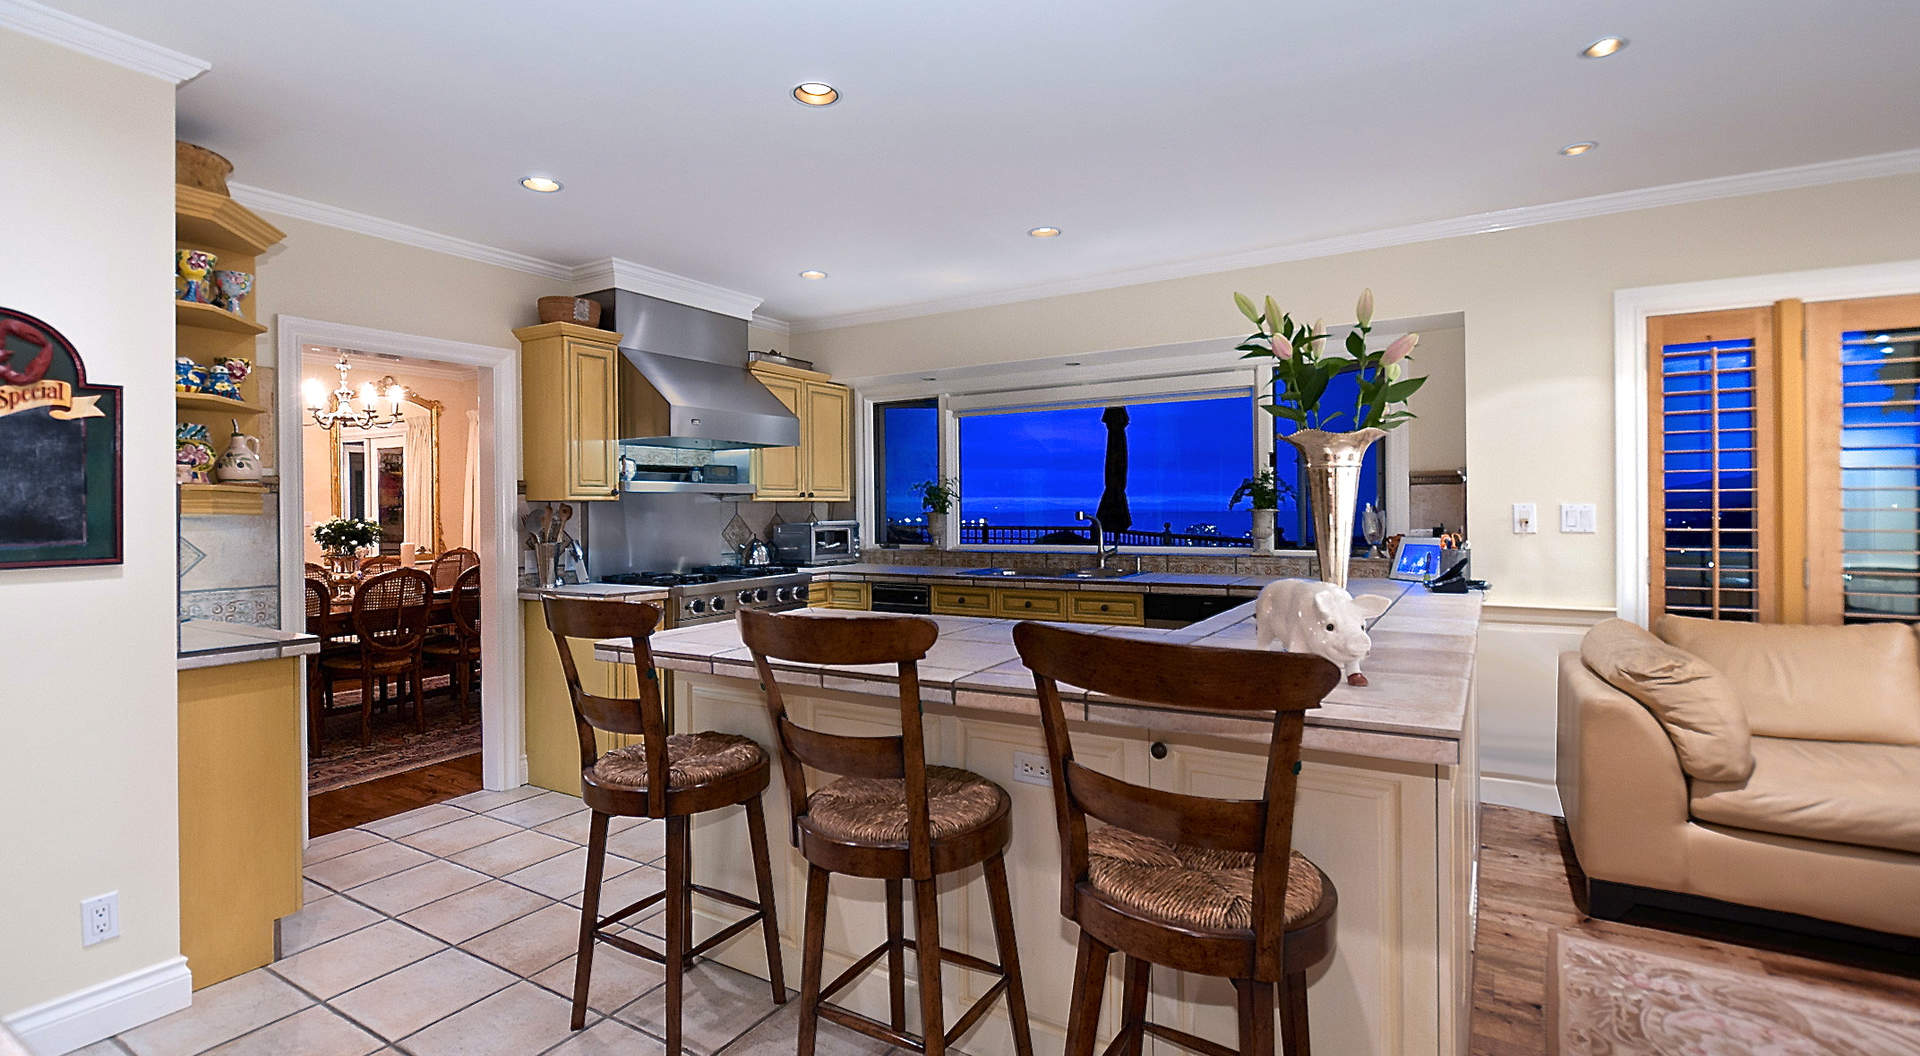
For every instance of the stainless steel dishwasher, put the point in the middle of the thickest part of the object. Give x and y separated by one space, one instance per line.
901 597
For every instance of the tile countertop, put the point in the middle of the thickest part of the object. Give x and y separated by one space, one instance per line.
1053 579
212 643
1415 707
603 591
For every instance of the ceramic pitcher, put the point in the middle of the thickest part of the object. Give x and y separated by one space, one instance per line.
241 462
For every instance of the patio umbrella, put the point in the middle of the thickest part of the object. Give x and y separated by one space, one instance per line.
1112 511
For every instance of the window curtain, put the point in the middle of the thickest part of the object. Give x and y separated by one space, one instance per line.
419 482
470 521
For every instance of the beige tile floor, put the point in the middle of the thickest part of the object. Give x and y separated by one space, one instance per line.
451 931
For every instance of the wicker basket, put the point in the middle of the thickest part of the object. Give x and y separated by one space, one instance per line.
569 310
200 167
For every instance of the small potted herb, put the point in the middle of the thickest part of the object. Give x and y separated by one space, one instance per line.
342 539
937 497
1262 492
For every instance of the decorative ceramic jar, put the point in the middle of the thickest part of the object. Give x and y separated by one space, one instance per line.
1333 481
220 383
193 265
238 367
240 464
193 454
230 287
1263 530
188 376
937 529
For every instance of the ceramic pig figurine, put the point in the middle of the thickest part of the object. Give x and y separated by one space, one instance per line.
1307 616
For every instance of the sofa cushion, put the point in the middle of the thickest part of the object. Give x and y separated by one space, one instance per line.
1697 706
1863 794
1857 683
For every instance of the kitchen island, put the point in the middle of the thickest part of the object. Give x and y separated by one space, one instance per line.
1387 807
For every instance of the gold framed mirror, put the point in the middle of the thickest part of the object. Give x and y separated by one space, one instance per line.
338 438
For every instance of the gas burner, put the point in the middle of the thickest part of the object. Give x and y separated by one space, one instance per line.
658 579
745 571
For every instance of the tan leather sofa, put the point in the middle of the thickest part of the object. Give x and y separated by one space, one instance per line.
1826 825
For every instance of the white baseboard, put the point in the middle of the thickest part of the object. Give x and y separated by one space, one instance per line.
105 1009
1541 797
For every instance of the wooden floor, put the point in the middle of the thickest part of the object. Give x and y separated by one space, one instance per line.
383 797
1528 880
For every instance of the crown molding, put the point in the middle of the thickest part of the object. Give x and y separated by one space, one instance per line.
1897 163
613 273
768 323
101 42
406 234
314 357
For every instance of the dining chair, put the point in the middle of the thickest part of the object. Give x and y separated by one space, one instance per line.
887 815
319 689
378 563
1194 883
459 648
449 566
390 612
666 775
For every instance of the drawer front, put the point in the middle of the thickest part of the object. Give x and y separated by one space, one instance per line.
818 594
1126 610
962 601
1030 604
849 595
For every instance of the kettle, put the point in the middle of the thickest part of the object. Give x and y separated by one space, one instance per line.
756 553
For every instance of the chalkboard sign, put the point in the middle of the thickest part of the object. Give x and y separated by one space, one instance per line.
59 452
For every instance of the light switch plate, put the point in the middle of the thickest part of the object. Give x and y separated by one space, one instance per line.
1577 517
1526 518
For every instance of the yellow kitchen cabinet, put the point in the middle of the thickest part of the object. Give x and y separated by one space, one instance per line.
821 468
1119 608
961 601
569 412
850 596
819 594
553 741
1030 604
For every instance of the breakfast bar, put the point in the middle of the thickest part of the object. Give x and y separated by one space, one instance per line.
1387 808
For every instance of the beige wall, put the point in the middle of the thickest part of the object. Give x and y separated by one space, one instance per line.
88 700
458 394
1538 378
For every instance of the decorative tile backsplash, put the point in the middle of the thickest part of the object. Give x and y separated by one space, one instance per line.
229 569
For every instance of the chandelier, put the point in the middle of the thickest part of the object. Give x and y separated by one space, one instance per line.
343 410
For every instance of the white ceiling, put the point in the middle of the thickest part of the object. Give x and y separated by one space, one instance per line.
1151 132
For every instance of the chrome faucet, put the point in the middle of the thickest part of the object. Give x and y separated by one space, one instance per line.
1100 548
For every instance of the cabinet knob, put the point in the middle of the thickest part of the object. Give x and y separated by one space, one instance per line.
1157 749
1103 607
1029 604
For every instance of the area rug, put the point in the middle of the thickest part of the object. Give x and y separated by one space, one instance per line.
1605 999
452 731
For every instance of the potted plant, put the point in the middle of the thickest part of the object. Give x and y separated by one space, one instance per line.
1262 492
342 539
937 497
1333 440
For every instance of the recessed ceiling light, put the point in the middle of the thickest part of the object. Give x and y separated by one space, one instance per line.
1603 47
813 93
1574 150
813 273
929 377
1043 232
1073 362
542 184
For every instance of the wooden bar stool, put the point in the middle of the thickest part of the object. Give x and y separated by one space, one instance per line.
1198 884
671 776
889 816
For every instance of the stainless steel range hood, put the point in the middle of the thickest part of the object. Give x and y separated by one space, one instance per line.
684 381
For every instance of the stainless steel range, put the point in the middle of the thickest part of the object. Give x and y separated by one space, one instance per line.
712 593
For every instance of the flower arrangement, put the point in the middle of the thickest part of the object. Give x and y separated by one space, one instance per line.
1262 491
1304 367
938 496
344 536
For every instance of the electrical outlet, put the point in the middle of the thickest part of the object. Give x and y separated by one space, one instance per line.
1577 518
1526 518
1032 768
100 918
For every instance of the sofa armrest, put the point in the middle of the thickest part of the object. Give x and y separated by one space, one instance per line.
1621 786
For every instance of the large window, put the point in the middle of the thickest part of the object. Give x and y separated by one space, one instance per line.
906 448
1785 447
1157 471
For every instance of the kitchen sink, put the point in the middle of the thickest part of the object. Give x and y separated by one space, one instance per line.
1050 573
1097 573
999 572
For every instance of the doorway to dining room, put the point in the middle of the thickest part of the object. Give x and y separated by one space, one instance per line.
406 461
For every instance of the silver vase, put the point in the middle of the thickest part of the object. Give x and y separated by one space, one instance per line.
1333 484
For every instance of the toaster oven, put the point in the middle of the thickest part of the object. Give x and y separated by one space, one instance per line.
817 543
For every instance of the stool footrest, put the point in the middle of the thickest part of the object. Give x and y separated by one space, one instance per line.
873 1028
1184 1040
616 918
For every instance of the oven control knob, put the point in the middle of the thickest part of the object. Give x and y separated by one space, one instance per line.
719 603
783 594
760 594
746 597
697 606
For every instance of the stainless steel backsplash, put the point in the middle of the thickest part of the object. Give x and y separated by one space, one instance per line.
669 531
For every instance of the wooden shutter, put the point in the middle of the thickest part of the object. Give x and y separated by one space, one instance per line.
1713 479
1863 460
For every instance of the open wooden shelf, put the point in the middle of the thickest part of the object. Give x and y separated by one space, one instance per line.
206 401
209 317
243 499
215 221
